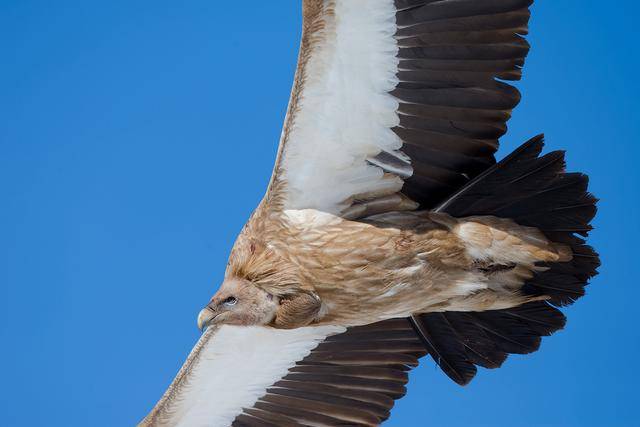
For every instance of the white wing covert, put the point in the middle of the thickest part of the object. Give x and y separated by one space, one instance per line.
396 104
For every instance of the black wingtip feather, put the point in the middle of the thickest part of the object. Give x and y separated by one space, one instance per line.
455 57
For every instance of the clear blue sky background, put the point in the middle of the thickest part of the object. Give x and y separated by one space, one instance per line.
137 136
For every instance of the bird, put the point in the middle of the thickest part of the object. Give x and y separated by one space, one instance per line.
389 230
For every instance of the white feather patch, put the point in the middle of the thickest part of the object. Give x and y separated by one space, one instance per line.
232 368
311 218
345 113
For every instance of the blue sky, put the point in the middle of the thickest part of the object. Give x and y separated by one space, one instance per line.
137 136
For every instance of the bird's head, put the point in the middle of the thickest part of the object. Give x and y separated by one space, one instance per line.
238 302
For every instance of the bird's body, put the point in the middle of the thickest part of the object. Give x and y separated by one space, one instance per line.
389 230
391 265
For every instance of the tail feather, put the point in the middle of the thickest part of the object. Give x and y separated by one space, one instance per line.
458 341
534 191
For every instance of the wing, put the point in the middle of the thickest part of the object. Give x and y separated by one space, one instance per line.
396 104
328 376
321 376
230 368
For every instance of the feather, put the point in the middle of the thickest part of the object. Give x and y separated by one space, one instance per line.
419 83
439 339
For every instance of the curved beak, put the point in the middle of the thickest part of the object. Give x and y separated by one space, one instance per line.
205 318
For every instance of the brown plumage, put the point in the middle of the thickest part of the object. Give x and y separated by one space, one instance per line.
325 269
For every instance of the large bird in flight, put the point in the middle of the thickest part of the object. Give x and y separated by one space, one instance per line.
388 231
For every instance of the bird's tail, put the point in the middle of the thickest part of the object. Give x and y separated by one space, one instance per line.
534 191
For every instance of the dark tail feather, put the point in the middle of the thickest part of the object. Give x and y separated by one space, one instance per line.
534 191
458 341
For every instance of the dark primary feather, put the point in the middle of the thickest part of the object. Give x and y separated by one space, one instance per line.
350 379
452 107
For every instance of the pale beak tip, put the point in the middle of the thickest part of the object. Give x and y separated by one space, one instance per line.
204 318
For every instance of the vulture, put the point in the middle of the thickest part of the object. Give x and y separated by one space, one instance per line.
389 231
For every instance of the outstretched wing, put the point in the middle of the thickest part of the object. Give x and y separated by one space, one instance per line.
230 368
321 376
396 104
329 376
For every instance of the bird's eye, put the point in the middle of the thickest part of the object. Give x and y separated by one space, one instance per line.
230 301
